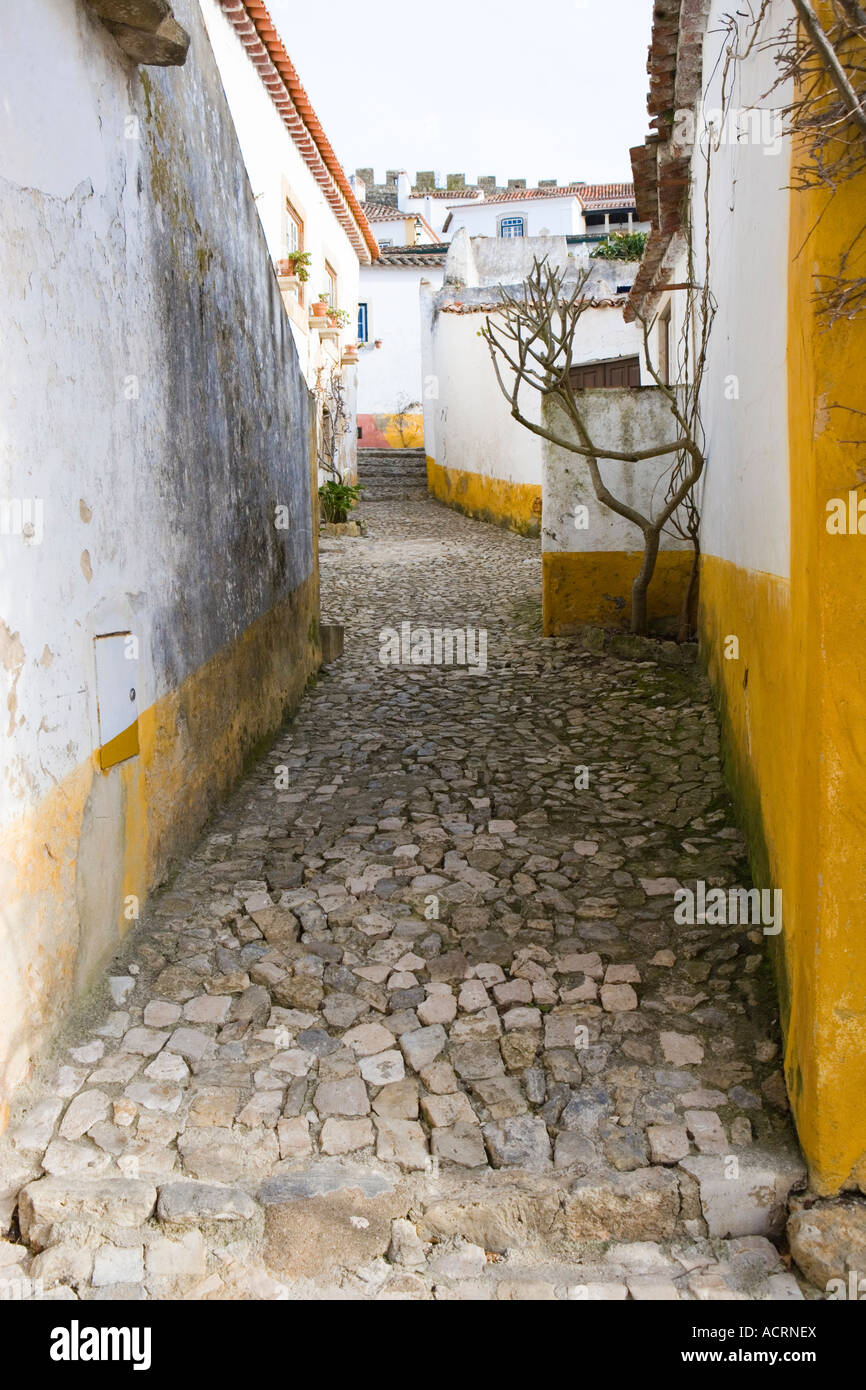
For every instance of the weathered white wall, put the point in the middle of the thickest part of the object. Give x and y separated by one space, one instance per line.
151 396
621 419
390 377
559 216
468 424
746 508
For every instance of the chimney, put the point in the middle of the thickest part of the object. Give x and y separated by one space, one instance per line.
359 187
404 189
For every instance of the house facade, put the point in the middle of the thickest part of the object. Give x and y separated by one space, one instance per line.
391 386
782 604
306 205
158 574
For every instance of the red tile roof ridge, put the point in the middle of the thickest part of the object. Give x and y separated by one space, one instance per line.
257 32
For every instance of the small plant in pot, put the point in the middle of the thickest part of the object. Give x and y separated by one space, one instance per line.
338 499
320 307
338 317
299 262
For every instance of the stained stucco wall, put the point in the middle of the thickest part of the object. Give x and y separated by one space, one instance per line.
152 398
590 555
782 611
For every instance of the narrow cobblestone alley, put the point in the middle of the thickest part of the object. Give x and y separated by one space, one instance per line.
416 1018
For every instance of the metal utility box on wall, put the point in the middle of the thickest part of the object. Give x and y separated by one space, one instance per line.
116 696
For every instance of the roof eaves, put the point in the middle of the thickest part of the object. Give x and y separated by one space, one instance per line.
257 32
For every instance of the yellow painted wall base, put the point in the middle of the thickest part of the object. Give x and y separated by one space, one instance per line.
76 869
594 586
498 500
392 431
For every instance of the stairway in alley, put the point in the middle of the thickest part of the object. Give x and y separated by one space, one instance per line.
392 474
416 1020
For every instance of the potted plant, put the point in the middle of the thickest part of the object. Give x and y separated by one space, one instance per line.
350 352
339 317
338 499
299 262
320 306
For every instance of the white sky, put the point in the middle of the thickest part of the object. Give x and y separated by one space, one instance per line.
528 89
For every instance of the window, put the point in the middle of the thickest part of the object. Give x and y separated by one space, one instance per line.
362 323
331 277
294 230
385 241
512 226
616 371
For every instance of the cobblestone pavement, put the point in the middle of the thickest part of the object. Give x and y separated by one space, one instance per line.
416 1018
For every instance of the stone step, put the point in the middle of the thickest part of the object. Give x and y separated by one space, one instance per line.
392 474
612 1236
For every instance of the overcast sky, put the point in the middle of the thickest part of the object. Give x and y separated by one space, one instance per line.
528 89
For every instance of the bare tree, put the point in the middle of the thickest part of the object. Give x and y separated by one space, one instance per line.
334 424
531 345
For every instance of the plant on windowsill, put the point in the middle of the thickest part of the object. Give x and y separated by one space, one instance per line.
321 306
299 261
338 317
338 499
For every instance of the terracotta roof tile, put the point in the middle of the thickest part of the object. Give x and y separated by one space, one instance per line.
415 256
255 29
591 195
474 193
385 212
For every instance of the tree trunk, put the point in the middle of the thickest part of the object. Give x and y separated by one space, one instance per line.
685 629
641 584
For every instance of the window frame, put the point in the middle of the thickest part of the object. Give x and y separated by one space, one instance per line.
333 285
292 220
511 219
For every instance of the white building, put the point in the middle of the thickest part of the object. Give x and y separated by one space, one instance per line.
582 210
306 204
391 387
411 223
479 459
